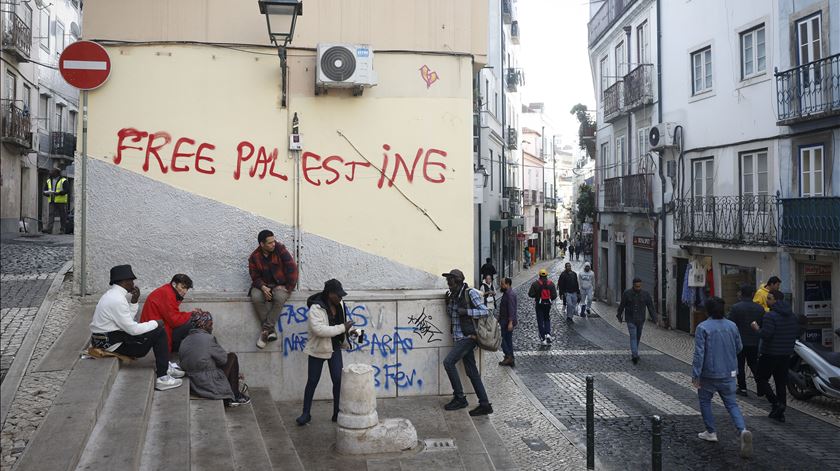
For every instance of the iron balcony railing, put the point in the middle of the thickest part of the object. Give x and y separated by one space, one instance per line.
612 193
731 220
638 87
809 91
513 79
513 193
630 193
16 126
63 143
512 138
613 100
514 32
17 36
550 202
526 198
812 223
610 12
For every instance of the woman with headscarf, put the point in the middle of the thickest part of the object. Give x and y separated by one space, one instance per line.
213 372
328 328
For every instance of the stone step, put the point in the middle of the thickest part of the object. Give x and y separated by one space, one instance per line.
210 448
249 452
167 444
117 439
62 436
65 351
278 444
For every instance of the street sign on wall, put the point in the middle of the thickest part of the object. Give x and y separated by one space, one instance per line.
85 65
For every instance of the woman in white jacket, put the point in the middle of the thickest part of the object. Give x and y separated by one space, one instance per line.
328 327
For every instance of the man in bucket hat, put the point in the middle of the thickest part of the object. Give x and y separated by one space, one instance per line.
114 329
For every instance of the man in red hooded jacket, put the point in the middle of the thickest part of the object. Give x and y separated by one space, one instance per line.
164 304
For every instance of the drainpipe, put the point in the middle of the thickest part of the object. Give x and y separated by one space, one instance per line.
662 214
629 152
505 151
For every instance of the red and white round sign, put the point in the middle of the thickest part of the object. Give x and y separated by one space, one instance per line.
85 65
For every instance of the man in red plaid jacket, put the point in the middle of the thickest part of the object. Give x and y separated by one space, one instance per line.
274 275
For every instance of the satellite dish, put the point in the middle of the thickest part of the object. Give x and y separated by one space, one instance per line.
75 30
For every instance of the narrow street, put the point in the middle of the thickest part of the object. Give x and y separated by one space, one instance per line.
628 395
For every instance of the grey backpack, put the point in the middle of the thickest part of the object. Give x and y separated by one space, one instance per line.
488 331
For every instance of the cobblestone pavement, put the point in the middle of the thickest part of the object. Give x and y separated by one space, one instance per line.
628 395
37 390
27 269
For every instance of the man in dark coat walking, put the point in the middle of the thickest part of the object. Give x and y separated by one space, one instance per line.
743 314
634 302
544 293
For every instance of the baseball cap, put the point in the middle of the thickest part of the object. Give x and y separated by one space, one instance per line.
454 273
543 272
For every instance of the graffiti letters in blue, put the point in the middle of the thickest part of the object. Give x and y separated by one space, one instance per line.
392 375
294 343
385 345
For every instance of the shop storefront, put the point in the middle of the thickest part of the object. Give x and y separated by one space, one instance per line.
815 303
732 277
644 261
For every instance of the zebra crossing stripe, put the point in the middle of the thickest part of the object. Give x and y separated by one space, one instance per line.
684 380
653 396
582 352
574 386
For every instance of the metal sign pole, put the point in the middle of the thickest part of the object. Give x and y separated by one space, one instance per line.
83 268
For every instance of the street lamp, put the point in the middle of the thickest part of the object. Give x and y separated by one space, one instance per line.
280 19
483 173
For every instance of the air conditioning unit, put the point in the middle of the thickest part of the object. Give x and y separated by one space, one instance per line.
344 66
661 136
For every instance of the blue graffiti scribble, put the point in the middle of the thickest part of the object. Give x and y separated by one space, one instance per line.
291 316
394 376
358 316
385 345
294 343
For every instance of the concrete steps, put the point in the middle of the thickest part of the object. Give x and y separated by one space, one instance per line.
249 452
281 450
167 442
210 443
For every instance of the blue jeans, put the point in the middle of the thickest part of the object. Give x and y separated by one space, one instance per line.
316 365
635 331
543 319
726 388
463 350
571 305
507 341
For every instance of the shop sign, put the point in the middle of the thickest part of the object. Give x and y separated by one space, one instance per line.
521 236
644 242
620 238
818 298
820 336
818 270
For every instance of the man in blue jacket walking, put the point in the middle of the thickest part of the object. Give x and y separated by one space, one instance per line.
716 346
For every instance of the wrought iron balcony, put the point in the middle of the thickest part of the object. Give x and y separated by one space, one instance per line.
730 220
514 32
550 202
613 101
512 138
630 193
638 87
16 126
513 193
812 223
507 11
612 194
17 36
526 198
810 91
610 12
63 144
513 78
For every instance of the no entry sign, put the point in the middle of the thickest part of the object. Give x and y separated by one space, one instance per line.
85 65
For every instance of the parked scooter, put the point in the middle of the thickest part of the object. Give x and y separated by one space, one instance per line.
814 371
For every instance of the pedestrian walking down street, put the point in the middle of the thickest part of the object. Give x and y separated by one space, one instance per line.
571 251
544 293
526 258
327 335
634 302
587 289
489 293
488 269
716 346
778 330
464 305
569 289
56 191
743 314
274 275
507 319
774 283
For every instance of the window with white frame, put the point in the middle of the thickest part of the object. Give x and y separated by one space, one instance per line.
11 87
45 29
59 118
642 144
701 71
605 73
606 159
754 178
620 156
620 58
643 43
27 99
753 52
59 37
809 39
704 178
72 120
44 112
812 174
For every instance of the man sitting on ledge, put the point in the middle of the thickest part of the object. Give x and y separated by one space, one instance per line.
114 329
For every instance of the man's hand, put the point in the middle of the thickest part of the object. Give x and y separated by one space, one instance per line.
696 382
755 326
135 295
348 325
620 319
462 311
266 292
510 326
159 323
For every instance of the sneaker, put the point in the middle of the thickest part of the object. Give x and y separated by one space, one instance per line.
635 360
456 403
167 382
240 400
582 313
742 392
544 342
482 410
272 336
746 444
303 419
172 364
262 340
708 436
549 338
175 372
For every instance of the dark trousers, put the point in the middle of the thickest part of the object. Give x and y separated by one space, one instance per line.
776 366
137 346
316 365
463 350
59 210
231 370
543 319
748 355
180 333
507 340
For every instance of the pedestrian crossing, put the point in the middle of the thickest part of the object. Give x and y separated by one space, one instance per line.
538 353
574 387
654 396
684 380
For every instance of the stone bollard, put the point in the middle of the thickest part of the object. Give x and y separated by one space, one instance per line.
359 430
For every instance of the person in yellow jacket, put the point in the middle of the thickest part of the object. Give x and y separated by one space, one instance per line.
773 284
56 192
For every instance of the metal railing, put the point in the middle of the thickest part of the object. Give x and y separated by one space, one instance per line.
63 143
612 193
512 79
17 36
606 16
16 126
638 87
812 223
513 193
526 198
739 220
636 191
514 32
551 202
512 138
809 91
613 100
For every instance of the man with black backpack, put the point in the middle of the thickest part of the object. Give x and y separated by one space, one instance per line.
544 293
464 305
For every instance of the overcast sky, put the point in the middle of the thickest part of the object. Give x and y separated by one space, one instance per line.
554 55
